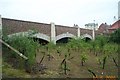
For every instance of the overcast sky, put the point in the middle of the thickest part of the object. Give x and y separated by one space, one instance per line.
62 12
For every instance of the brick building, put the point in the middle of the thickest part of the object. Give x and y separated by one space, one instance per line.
103 28
114 26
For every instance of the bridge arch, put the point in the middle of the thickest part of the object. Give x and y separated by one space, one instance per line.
36 35
42 36
86 36
65 35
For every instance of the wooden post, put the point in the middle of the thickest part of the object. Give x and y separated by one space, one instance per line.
20 54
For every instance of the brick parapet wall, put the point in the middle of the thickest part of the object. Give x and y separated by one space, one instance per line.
85 31
63 29
11 26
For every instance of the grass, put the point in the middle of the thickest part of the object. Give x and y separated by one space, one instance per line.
9 72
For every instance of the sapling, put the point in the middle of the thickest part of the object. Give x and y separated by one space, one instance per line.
64 65
59 51
104 61
42 57
114 60
83 58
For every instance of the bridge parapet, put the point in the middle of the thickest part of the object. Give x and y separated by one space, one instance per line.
85 31
11 26
63 29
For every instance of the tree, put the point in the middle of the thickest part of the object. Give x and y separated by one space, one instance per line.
64 65
83 58
100 41
49 47
93 45
115 37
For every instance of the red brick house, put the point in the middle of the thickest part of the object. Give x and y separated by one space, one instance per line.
114 26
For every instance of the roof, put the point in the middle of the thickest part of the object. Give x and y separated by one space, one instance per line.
115 25
103 27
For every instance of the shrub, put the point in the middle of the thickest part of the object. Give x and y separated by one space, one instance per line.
115 37
24 45
83 58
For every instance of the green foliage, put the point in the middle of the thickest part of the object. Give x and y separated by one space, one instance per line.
59 50
77 44
110 49
93 45
99 61
28 47
64 65
97 45
8 71
50 47
109 52
83 57
115 37
104 61
24 45
101 41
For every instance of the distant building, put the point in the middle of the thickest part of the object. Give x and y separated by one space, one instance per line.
114 26
91 25
103 28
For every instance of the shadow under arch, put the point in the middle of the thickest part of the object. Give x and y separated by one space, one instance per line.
64 38
86 37
40 37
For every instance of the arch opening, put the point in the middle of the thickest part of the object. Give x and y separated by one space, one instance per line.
63 40
86 39
37 35
40 41
86 36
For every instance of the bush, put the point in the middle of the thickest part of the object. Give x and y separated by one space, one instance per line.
24 45
115 37
84 57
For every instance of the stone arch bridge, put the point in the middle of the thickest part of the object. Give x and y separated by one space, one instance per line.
46 32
